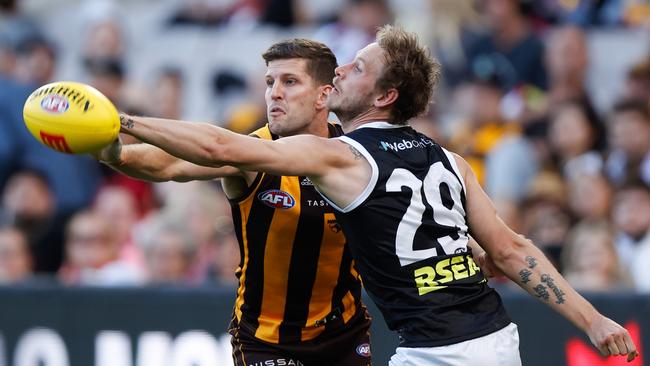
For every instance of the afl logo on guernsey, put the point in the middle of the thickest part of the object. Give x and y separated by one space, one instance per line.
277 199
55 103
363 350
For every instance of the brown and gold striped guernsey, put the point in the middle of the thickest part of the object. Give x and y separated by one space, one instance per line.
296 278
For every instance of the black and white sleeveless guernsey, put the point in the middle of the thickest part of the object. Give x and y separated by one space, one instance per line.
408 235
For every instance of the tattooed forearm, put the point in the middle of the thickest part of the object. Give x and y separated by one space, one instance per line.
126 121
357 154
525 275
532 262
556 290
541 292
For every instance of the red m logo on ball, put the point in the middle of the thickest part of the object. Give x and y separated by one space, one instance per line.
56 142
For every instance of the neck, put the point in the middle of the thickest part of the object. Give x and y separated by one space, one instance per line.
317 127
371 115
566 91
509 32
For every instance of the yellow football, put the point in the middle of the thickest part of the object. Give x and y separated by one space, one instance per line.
70 117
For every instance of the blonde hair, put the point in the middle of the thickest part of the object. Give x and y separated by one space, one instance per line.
410 69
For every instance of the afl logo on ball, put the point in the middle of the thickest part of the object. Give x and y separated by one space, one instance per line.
55 103
363 350
277 199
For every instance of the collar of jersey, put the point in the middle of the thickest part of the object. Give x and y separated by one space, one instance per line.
380 124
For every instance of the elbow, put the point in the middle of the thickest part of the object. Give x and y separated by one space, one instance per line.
511 249
214 154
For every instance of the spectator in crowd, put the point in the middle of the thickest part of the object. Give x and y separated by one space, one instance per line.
567 62
484 126
167 97
544 216
28 204
205 210
637 83
35 62
590 197
104 53
228 259
589 259
509 48
631 216
15 26
108 75
629 137
93 254
105 36
206 13
450 26
573 138
169 254
117 205
354 28
15 257
636 13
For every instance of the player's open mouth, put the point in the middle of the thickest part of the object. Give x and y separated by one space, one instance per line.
276 111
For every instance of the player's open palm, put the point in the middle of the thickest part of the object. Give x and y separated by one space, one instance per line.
611 338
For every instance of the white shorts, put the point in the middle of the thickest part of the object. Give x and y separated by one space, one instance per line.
500 348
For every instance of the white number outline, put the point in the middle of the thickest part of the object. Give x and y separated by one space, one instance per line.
412 218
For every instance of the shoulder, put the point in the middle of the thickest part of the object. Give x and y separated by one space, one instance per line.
263 133
462 164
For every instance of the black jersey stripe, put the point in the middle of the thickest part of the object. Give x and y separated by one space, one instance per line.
327 277
347 293
252 287
302 273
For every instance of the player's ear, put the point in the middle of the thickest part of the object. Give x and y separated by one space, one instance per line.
386 98
324 91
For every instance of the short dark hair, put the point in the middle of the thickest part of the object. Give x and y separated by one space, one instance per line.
633 105
321 61
410 69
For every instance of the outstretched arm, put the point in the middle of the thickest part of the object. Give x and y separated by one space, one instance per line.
208 145
520 260
148 162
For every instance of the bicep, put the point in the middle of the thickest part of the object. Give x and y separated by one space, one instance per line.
297 155
485 225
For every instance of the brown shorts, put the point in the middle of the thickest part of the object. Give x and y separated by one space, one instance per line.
350 347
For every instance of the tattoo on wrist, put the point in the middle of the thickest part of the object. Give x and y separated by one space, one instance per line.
532 262
550 282
525 275
126 121
357 154
541 292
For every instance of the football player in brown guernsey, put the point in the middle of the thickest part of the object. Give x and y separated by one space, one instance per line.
299 295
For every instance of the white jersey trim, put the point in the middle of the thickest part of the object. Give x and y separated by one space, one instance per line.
380 124
452 161
371 184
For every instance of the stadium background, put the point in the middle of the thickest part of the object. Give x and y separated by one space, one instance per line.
547 100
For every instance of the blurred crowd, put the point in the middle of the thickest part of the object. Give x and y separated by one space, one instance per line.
568 171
